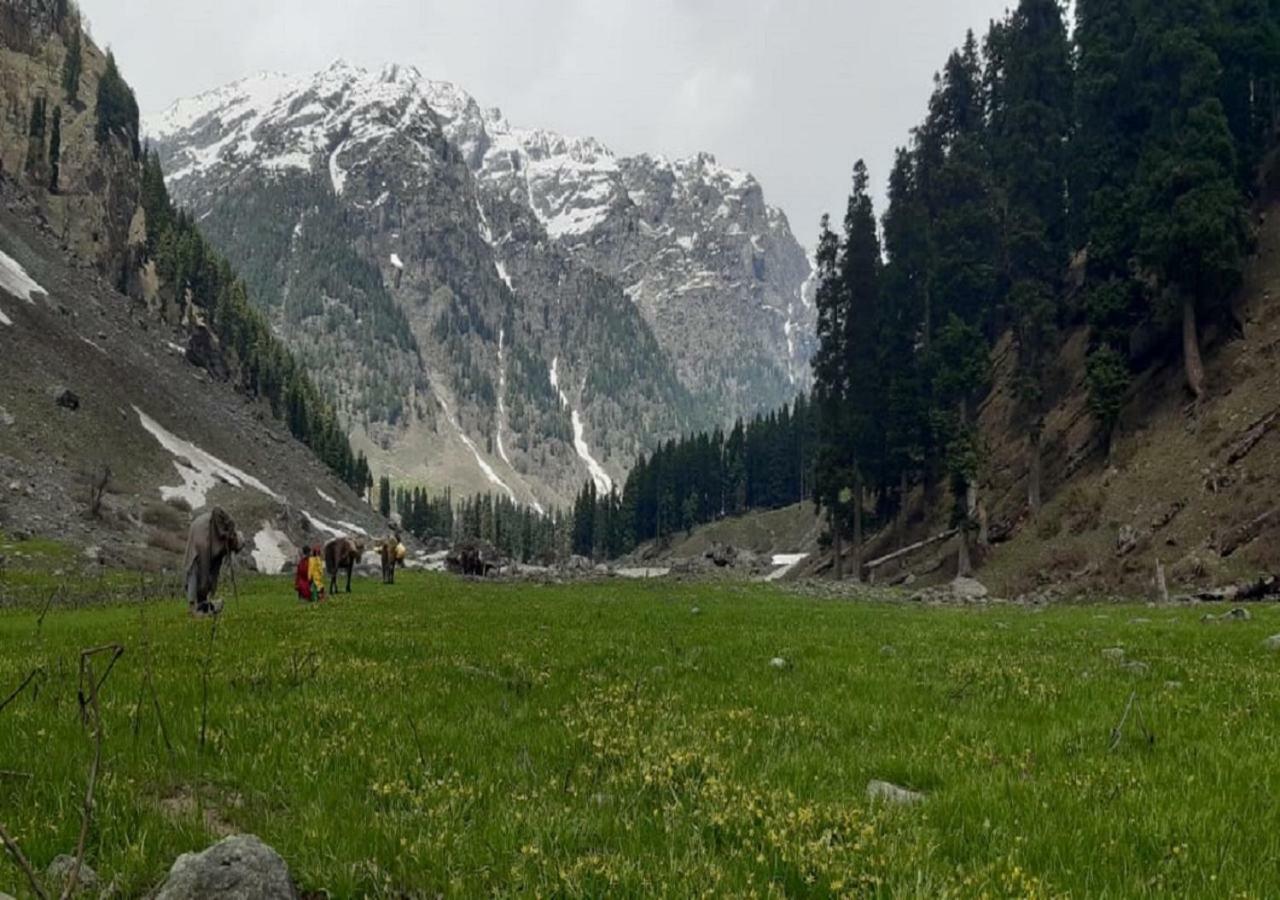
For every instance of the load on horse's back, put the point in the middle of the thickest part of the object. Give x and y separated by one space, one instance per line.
391 553
211 538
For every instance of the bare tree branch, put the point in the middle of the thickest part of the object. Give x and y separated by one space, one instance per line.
18 690
12 846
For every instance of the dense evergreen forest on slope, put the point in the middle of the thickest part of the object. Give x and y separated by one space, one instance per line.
1099 179
193 270
297 250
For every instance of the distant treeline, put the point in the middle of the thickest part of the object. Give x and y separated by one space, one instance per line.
766 463
518 532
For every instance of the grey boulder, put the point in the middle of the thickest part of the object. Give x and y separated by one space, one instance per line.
60 870
240 867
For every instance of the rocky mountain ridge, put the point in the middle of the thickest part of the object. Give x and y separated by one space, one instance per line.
659 295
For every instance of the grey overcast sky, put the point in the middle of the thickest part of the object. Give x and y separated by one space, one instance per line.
792 91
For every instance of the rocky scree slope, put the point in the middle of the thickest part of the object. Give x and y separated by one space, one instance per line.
96 379
566 308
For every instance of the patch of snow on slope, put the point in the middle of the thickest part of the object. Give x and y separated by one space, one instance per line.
200 470
487 233
502 391
604 484
470 445
15 280
5 320
569 183
322 525
395 261
326 498
502 413
337 174
272 550
502 273
786 562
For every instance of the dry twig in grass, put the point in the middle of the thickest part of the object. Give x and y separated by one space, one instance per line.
1117 733
204 681
19 689
9 843
90 714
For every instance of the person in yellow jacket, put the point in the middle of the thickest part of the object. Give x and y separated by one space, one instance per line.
315 569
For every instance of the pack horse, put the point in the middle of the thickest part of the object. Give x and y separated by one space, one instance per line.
341 554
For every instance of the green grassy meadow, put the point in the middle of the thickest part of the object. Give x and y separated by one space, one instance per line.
441 737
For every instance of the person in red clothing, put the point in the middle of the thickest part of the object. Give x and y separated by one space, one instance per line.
302 575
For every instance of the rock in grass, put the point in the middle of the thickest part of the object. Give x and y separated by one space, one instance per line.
1115 654
60 870
884 792
1239 614
240 867
1272 643
779 663
968 590
1136 667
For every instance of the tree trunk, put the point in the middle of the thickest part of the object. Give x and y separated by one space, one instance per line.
903 486
1191 349
926 331
857 526
837 550
1034 470
964 567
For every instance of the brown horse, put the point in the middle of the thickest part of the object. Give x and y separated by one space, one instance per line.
387 554
341 553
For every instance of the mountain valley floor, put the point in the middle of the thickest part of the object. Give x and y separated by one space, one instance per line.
657 738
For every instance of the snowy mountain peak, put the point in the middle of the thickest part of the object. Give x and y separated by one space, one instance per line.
434 182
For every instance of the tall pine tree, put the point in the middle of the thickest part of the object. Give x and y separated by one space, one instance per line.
1030 84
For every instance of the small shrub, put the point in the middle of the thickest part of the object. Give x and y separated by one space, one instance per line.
1082 508
167 541
1049 523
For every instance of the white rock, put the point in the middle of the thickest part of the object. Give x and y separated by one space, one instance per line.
884 792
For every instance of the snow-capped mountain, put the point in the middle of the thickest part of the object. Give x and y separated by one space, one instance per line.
495 307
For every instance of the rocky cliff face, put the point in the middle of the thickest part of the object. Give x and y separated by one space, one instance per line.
96 382
92 209
547 310
715 270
